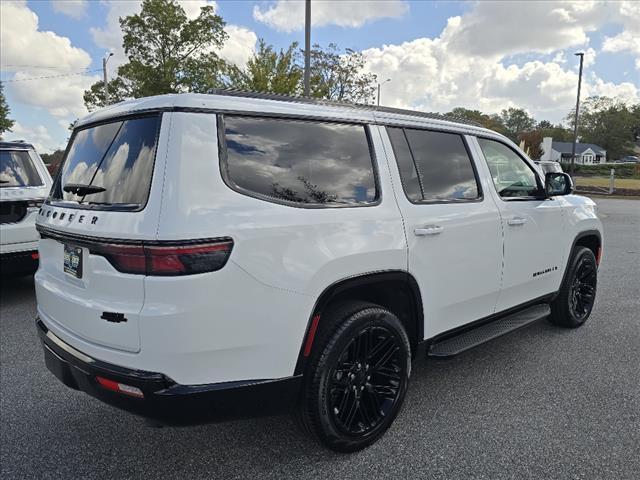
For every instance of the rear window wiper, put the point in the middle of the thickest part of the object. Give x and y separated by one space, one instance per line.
82 190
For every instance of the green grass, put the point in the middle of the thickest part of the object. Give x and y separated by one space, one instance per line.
631 183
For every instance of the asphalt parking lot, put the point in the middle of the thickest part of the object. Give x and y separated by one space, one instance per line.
541 403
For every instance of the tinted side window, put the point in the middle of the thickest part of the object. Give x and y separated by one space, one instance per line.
408 173
441 162
511 174
300 161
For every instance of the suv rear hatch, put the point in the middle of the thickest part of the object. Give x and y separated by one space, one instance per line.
103 196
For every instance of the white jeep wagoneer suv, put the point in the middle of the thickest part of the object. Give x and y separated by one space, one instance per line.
205 256
24 184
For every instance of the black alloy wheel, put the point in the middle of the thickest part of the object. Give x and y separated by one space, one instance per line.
356 376
576 298
583 289
365 382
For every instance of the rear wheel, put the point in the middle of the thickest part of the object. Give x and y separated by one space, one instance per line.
357 377
577 294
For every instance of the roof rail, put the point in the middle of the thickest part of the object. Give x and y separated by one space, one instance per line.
338 103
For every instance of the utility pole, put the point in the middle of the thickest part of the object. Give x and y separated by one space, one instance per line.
104 78
575 126
380 85
307 46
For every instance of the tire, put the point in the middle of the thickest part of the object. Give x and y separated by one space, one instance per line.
357 376
576 297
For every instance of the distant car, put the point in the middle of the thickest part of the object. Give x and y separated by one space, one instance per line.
24 184
549 166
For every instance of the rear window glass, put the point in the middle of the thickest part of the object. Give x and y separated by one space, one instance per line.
300 161
17 169
117 157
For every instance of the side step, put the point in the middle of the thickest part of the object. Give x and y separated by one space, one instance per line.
451 346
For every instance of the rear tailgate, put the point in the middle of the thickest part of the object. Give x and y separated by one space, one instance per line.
81 295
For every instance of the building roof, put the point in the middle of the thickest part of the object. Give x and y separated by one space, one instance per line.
566 147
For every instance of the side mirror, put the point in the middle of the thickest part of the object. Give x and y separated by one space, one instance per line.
557 183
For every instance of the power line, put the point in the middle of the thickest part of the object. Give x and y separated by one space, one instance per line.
46 67
51 76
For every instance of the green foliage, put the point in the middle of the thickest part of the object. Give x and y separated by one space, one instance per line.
610 123
623 170
167 52
516 121
492 122
532 143
557 132
94 97
52 158
268 71
5 122
337 76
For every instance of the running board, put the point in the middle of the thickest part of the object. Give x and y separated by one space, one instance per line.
451 346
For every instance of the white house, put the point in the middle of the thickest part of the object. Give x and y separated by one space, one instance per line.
586 153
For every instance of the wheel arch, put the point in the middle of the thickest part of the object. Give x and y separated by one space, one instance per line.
591 239
395 290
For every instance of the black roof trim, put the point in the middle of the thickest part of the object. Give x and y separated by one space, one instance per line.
336 103
17 144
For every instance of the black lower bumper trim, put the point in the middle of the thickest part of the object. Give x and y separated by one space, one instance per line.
18 263
164 400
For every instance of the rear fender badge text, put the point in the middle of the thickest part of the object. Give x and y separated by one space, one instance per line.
546 270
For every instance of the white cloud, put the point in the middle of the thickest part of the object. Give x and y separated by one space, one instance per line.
438 74
238 47
288 15
38 136
49 55
76 9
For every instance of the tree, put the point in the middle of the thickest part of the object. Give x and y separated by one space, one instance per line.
167 52
609 123
94 97
269 71
5 122
532 143
492 122
516 121
337 76
556 132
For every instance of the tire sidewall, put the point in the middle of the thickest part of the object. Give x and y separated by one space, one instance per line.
367 317
577 259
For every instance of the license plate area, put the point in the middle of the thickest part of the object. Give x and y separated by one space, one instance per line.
73 260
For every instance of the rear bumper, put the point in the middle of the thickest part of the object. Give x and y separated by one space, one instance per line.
19 263
164 400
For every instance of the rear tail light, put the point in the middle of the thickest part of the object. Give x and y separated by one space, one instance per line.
168 260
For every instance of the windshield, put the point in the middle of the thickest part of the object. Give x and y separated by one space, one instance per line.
17 169
116 156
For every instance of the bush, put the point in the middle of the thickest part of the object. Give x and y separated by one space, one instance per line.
623 170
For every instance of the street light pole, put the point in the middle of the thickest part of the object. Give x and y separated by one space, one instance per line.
104 75
575 125
307 46
380 85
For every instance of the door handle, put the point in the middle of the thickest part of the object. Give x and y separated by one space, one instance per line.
517 221
428 230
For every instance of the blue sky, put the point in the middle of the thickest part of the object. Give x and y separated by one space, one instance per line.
438 55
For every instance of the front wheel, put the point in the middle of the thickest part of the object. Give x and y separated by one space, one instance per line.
357 378
577 295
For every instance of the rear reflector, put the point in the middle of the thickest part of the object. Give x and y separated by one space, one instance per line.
311 336
599 255
35 256
175 259
120 387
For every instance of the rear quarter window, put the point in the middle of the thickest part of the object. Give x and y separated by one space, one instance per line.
307 163
117 156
